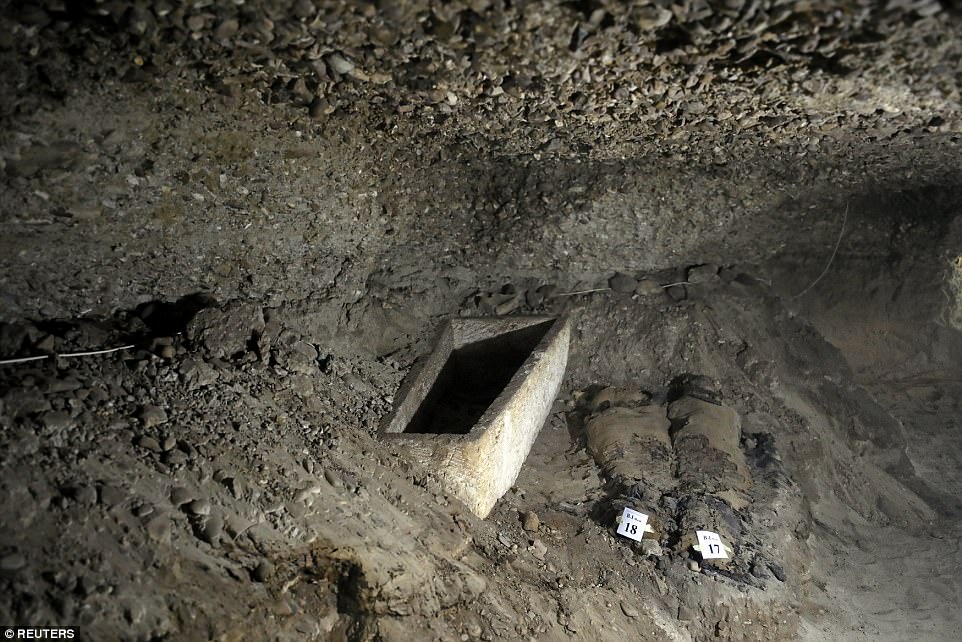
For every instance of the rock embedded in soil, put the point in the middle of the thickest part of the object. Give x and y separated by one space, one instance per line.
197 374
702 273
235 525
198 507
149 443
263 571
226 332
649 287
12 562
530 521
651 547
158 527
539 549
56 420
152 416
111 496
211 528
677 292
85 495
333 479
622 283
180 496
629 609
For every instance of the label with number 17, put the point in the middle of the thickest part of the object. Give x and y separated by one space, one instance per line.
710 546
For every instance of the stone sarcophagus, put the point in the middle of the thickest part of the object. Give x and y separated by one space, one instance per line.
474 406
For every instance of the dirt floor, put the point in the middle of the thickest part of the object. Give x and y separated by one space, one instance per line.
749 209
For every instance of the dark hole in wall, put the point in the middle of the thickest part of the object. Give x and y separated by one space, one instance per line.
471 379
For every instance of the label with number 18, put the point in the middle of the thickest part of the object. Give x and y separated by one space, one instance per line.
633 524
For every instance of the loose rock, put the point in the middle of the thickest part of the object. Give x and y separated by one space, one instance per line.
198 507
111 496
180 496
56 420
226 332
152 416
149 443
530 521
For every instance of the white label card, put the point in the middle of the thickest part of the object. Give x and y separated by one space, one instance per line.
710 546
632 524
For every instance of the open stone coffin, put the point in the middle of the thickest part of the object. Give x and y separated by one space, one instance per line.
477 403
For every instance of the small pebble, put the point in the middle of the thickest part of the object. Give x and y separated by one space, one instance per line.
195 22
153 416
198 507
180 496
530 521
339 64
693 566
56 420
149 443
651 547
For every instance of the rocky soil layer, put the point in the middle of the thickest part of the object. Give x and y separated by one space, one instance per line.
750 209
